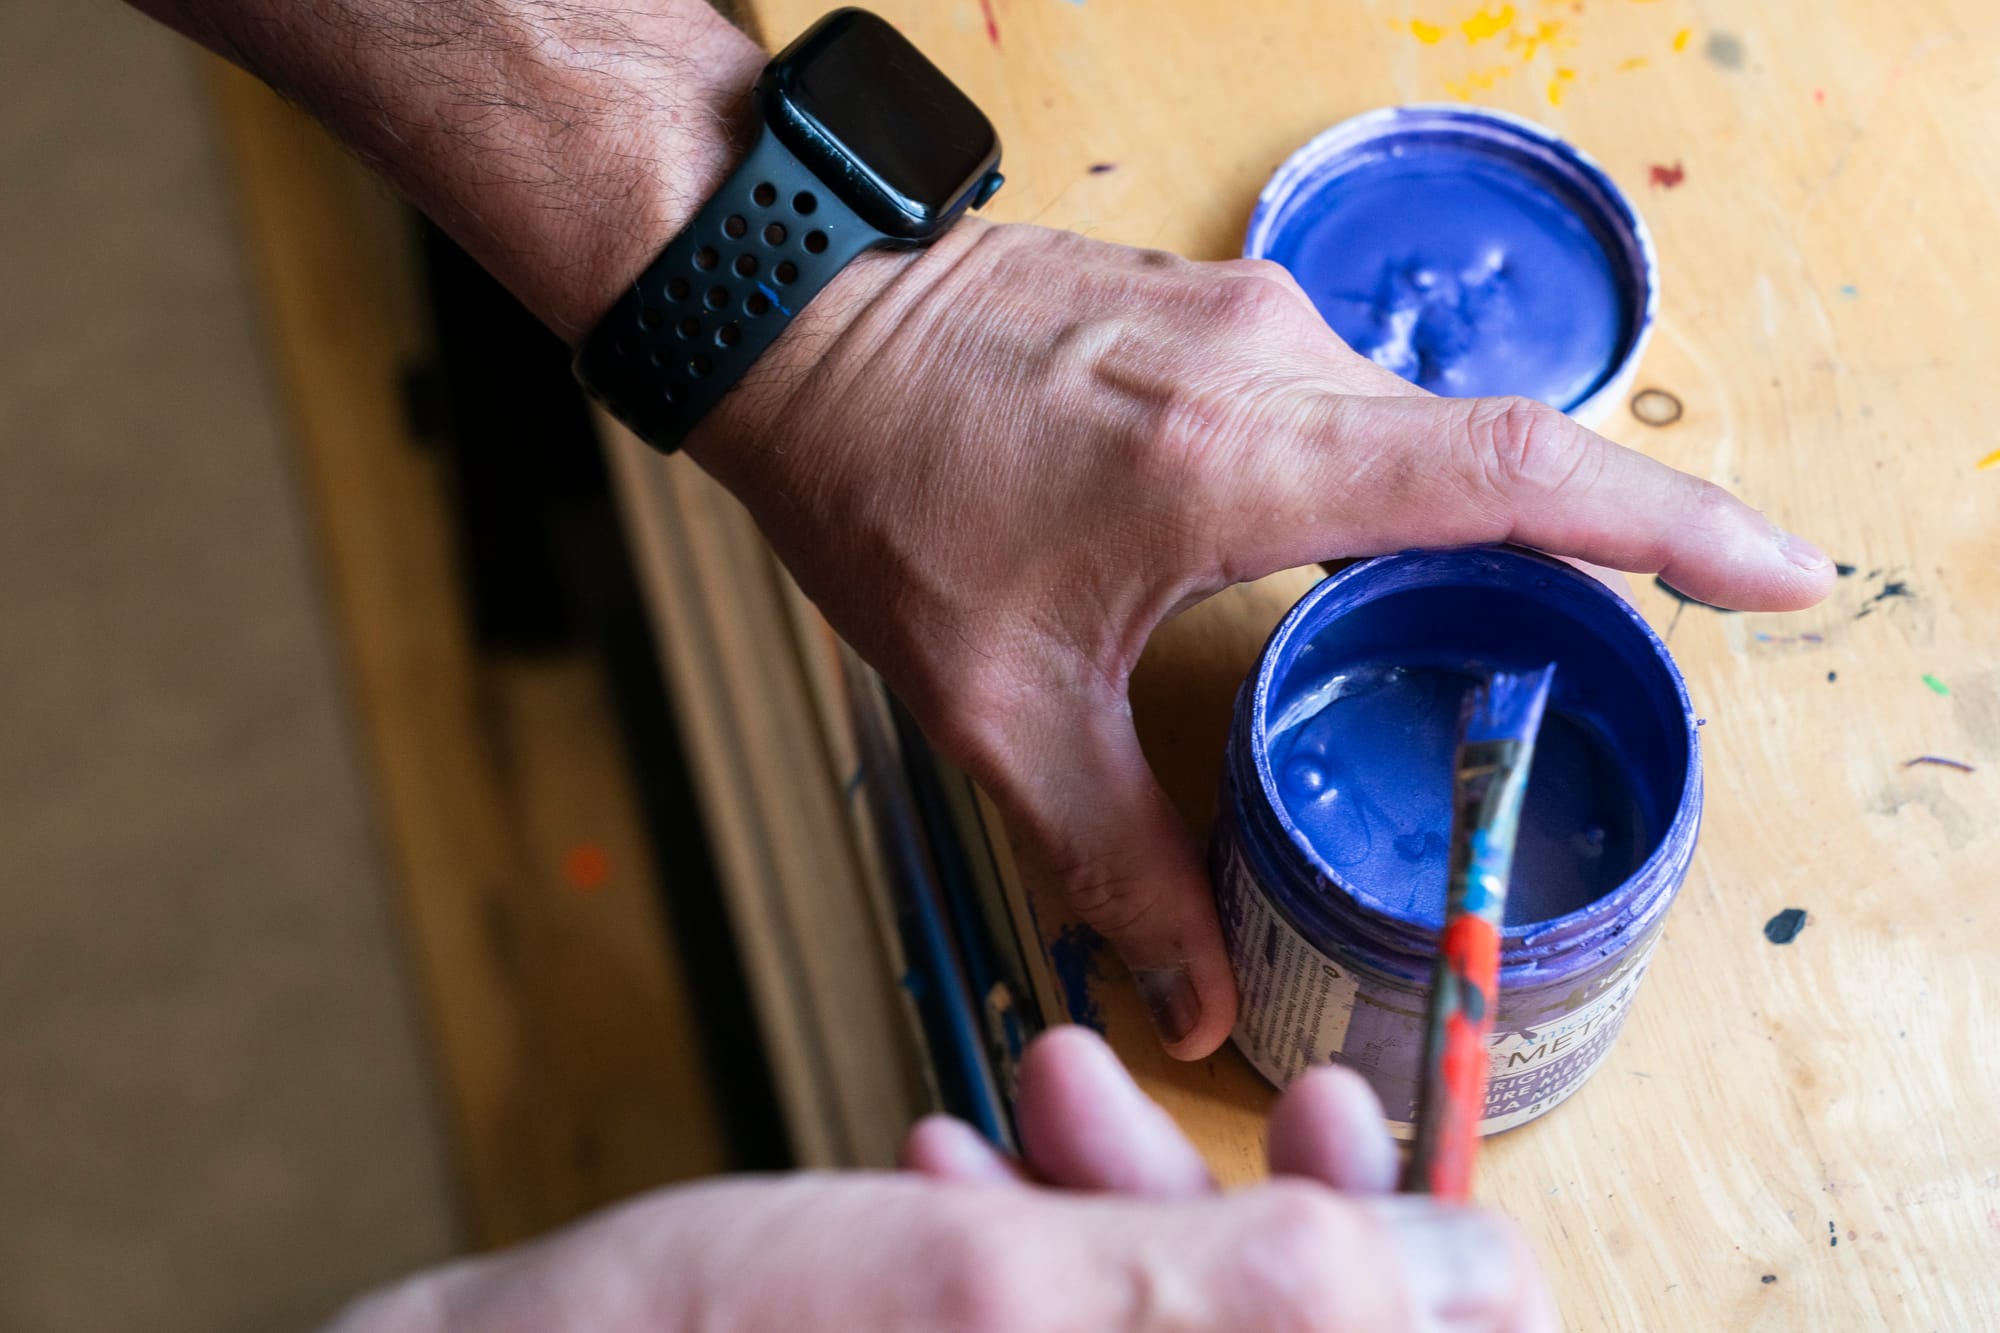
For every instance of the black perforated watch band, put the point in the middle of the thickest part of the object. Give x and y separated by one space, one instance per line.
690 326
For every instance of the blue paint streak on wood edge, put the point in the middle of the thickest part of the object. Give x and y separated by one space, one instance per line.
1073 954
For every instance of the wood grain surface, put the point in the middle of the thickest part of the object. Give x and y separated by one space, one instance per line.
1828 326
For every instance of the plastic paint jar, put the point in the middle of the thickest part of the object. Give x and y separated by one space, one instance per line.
1470 251
1331 842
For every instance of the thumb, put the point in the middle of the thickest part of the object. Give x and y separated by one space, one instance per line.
1460 471
1078 789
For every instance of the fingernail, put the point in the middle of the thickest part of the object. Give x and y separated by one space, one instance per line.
1459 1260
1800 551
1170 999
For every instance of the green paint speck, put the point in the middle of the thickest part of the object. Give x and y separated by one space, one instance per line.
1937 686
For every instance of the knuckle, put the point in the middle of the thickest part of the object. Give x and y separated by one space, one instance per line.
1707 506
1272 272
1258 295
977 1276
1299 1246
1523 445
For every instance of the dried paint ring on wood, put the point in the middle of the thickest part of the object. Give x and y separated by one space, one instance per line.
1656 407
1471 251
1331 843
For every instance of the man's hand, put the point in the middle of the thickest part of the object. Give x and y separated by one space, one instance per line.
1109 1225
1000 465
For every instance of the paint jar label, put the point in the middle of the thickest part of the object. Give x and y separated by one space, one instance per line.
1533 1069
1301 1007
1296 1002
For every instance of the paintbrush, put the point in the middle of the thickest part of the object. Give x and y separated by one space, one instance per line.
1496 746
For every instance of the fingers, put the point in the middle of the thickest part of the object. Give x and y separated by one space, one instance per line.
1079 787
1086 1125
1445 472
951 1150
1328 1127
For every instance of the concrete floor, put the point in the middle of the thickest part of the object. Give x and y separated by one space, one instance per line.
214 1111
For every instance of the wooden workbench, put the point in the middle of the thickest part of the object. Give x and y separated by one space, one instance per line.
1798 1136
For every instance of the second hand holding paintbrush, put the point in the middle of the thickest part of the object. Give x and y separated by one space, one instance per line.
1496 748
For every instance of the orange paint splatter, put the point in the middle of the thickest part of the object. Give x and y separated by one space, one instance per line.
1667 178
586 866
1682 38
1989 462
1487 23
1430 34
1819 96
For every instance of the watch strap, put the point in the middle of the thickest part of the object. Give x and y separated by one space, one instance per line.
722 291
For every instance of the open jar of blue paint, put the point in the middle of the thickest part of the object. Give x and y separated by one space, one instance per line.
1332 838
1470 251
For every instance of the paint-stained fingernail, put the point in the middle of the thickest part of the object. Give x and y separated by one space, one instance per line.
1460 1261
1800 551
1170 999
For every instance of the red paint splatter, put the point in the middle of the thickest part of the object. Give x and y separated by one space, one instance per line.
1666 178
586 867
1819 95
992 23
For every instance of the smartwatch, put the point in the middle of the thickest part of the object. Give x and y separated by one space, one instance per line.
862 143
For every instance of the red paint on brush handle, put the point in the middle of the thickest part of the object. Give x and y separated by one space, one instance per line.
1471 949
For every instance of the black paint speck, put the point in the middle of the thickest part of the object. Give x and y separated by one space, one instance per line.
1832 1235
1685 600
1846 572
1768 1279
1832 676
1785 926
1102 168
1895 588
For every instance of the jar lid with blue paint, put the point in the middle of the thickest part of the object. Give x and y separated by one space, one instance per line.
1472 252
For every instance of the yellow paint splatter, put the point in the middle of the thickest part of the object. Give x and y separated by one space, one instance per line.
1479 80
1548 32
1991 460
1430 34
1555 92
1488 23
1631 63
1682 38
1565 73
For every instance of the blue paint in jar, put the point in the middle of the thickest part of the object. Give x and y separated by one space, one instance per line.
1472 252
1330 852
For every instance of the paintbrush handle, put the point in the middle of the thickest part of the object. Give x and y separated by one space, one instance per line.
1494 755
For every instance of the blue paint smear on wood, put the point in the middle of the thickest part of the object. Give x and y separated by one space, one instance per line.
1074 955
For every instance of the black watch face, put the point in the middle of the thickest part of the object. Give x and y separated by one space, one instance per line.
874 110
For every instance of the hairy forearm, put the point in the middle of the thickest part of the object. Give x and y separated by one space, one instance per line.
562 142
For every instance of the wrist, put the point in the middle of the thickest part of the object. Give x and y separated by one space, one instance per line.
754 441
669 115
